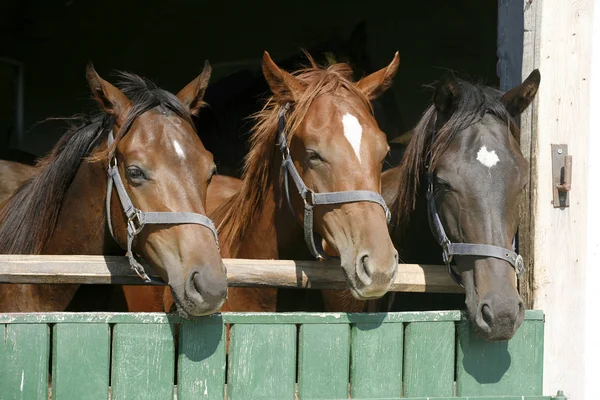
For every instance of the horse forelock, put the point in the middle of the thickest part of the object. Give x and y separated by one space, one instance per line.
476 100
244 208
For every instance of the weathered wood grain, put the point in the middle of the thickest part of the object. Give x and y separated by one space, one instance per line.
516 365
429 359
376 369
24 357
201 369
143 362
80 361
324 361
262 362
240 272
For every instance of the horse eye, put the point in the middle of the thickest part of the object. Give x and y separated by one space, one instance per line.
445 185
212 174
314 156
135 173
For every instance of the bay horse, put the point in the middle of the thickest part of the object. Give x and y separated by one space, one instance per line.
459 186
151 203
319 122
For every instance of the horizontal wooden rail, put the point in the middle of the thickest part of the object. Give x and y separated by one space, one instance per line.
240 272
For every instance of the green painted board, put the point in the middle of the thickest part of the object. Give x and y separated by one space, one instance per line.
262 362
324 361
376 366
80 361
239 317
24 356
429 359
478 398
201 369
501 368
143 362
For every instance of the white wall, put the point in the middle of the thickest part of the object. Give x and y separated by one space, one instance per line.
561 236
592 294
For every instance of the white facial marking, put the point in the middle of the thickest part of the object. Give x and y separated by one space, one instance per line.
353 132
178 149
487 158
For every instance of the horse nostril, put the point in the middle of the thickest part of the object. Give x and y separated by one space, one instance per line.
363 269
488 316
209 286
364 260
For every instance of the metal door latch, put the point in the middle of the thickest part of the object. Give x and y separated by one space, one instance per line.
562 164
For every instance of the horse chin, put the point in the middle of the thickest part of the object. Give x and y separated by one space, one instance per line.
188 309
504 326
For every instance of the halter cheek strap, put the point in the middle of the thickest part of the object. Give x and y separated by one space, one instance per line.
450 249
137 219
312 199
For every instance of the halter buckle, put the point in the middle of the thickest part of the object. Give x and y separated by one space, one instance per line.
135 223
308 199
519 266
112 164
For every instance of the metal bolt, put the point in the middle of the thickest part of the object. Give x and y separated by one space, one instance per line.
559 151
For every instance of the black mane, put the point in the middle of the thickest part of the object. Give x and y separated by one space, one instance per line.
475 102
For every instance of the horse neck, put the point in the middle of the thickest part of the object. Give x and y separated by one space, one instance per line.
417 244
81 226
275 234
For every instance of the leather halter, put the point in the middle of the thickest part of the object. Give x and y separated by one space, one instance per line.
312 199
449 249
137 219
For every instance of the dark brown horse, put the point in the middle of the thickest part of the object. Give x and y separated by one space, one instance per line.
163 169
467 146
335 145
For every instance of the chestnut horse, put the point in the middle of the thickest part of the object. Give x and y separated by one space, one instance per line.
159 172
463 170
334 145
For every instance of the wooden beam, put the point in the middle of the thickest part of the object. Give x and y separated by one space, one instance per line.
529 127
240 272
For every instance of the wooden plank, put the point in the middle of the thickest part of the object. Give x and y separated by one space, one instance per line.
201 364
480 398
143 362
324 361
262 362
80 361
240 272
561 263
242 317
429 359
24 356
376 369
528 143
512 368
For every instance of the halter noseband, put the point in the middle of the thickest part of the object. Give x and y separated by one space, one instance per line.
450 249
137 219
312 199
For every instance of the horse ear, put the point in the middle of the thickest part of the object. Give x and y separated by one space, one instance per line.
517 99
378 82
285 87
447 94
111 99
192 94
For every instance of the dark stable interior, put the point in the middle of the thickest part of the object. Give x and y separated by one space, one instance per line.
168 42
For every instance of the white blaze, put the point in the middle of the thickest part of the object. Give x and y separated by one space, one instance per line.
352 132
178 149
487 158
